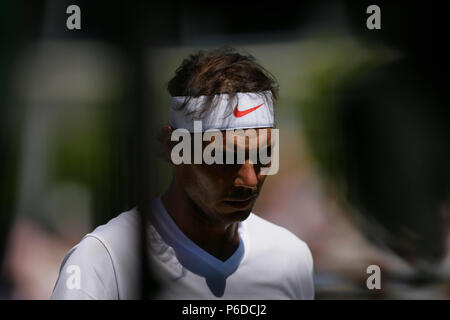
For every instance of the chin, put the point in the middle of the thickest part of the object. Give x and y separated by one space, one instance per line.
236 216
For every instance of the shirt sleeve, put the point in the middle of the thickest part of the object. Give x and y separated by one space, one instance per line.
305 278
87 273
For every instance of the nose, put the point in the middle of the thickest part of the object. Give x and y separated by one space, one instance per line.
246 176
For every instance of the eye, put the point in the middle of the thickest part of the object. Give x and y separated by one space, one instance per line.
259 165
231 156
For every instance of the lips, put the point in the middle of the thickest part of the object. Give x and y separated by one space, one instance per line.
239 204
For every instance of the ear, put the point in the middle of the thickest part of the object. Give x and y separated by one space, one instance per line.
166 143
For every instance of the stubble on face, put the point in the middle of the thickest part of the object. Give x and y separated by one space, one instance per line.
210 186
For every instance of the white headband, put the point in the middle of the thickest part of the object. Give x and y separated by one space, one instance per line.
246 110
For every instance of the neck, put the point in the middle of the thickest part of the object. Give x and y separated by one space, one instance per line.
215 237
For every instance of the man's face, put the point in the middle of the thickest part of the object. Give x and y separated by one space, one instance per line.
227 192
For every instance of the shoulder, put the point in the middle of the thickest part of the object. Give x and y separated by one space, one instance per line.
289 256
122 225
87 272
103 258
116 237
275 236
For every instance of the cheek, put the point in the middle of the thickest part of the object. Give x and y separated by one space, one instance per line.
207 184
261 179
212 181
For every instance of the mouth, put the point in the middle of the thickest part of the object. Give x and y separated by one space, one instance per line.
240 203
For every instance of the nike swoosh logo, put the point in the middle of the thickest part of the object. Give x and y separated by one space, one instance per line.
239 114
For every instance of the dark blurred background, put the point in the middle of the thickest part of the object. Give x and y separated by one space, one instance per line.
363 117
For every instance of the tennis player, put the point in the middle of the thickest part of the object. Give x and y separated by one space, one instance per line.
204 242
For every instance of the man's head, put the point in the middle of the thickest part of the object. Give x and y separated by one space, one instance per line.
224 192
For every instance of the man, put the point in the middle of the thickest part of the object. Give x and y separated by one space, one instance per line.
204 241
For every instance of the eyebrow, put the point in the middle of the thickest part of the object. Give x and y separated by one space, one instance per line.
265 149
268 145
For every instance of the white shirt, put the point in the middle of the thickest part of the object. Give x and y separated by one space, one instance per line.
270 263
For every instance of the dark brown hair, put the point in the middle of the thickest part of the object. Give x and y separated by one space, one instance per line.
223 70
